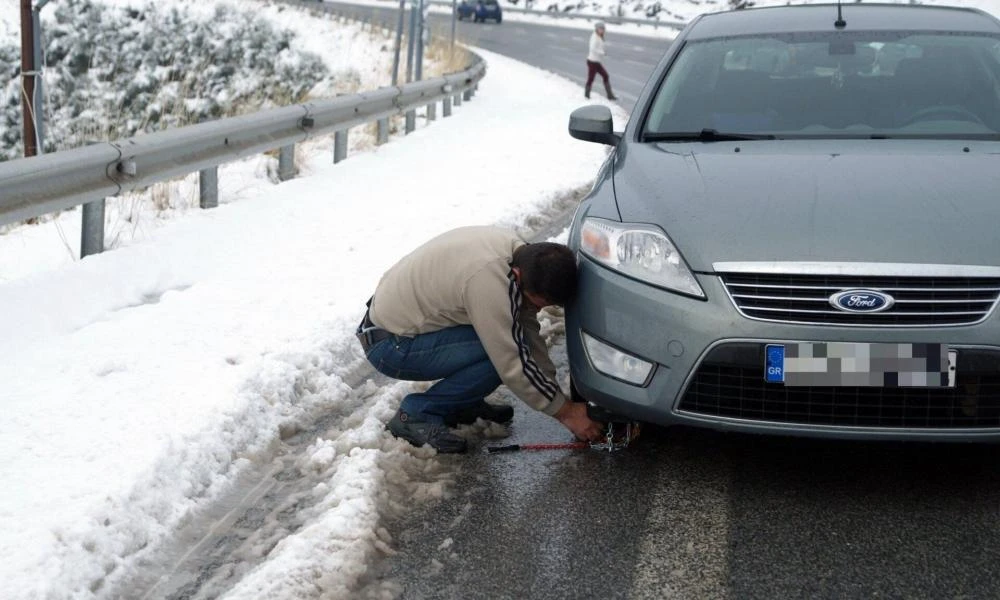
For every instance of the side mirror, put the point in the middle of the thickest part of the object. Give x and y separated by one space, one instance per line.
593 124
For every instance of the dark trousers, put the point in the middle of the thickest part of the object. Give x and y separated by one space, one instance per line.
593 68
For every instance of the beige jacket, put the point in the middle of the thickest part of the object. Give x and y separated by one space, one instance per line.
464 277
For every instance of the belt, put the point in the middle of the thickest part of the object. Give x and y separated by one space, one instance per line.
368 333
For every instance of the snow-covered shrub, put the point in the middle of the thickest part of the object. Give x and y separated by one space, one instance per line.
114 71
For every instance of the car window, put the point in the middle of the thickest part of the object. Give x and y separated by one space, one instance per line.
864 84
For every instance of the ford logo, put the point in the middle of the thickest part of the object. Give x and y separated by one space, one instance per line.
867 301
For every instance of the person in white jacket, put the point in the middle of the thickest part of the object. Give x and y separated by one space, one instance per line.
594 59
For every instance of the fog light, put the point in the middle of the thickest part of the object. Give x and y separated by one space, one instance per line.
614 363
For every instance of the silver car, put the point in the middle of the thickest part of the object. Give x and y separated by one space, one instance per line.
797 231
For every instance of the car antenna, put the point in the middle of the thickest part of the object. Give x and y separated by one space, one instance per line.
840 23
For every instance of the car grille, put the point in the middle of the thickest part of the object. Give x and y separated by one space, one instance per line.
725 389
919 301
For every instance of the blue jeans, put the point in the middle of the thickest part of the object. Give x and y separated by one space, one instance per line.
454 355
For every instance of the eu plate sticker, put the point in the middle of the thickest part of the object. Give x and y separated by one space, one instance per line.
775 363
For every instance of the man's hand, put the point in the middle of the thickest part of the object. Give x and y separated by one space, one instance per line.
573 415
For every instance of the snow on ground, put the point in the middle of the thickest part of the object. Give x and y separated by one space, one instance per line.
139 384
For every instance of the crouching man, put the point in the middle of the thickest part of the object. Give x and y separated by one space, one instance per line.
463 309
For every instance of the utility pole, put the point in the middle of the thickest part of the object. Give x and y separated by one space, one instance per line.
31 81
421 38
399 43
410 48
454 17
28 73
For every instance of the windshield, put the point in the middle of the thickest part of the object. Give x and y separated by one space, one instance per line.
858 84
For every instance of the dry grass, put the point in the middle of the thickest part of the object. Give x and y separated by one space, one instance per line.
444 58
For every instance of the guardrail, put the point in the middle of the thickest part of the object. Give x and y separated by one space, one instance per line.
569 14
32 187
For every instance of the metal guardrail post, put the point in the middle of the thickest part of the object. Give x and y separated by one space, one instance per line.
467 95
411 121
432 111
208 187
458 99
339 146
286 162
446 106
382 133
92 232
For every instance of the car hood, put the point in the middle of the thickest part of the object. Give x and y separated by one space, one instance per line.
913 201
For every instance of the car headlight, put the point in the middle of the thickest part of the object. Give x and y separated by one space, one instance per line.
640 251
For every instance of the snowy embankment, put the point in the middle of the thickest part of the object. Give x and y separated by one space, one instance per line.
140 383
353 58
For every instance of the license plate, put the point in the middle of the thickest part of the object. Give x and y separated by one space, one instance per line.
842 364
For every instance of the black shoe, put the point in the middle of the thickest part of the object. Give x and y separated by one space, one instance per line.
418 433
482 410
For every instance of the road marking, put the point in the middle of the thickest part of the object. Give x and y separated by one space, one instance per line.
639 62
561 48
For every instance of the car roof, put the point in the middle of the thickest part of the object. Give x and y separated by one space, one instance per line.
863 17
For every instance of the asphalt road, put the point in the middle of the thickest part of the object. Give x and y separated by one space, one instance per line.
561 50
686 513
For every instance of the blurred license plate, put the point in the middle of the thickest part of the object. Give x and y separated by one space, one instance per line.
860 365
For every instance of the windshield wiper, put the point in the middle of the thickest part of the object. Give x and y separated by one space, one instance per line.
705 135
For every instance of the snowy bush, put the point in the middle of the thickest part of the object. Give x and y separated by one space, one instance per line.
113 71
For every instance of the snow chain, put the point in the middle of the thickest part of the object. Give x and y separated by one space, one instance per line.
617 440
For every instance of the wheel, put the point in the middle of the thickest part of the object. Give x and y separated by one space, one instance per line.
499 20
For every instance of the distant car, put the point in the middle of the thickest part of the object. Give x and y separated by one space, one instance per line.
480 10
796 233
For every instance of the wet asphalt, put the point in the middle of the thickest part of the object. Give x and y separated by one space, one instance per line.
687 513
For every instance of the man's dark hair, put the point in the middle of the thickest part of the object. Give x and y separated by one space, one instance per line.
548 270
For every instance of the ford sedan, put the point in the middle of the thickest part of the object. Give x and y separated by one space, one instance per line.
797 231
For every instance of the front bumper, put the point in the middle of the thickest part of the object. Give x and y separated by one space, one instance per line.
708 357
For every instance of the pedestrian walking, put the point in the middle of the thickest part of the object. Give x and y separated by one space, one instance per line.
595 59
463 309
